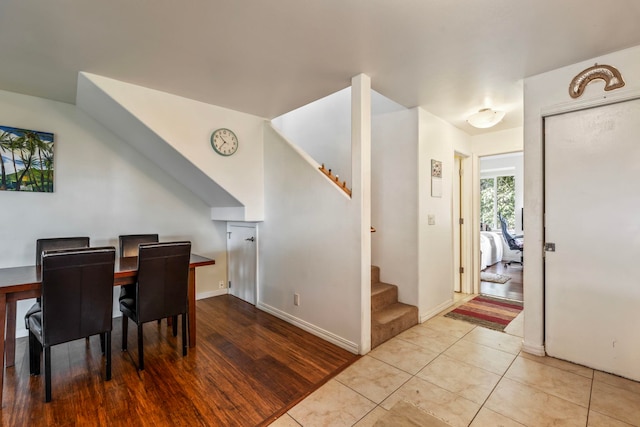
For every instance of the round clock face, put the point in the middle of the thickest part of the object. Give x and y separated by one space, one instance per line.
224 142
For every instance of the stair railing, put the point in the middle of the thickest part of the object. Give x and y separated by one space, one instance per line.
335 179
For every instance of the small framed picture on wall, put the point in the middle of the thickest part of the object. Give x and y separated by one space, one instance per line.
436 178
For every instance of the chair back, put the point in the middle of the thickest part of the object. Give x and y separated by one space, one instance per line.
77 293
508 237
129 243
163 280
59 243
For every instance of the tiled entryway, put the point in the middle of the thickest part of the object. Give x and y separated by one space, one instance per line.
468 376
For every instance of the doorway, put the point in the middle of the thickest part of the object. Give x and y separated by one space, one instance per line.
242 261
501 196
462 226
458 226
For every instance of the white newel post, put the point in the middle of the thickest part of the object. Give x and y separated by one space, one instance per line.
361 167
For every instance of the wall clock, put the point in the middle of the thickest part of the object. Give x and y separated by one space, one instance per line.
224 142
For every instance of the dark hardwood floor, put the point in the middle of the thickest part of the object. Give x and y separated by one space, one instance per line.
248 368
512 290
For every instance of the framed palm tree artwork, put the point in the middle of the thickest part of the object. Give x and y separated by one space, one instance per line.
26 160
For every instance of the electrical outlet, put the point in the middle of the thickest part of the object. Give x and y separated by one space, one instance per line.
221 284
296 299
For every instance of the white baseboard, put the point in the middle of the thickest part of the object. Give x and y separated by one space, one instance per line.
536 350
434 312
313 329
214 293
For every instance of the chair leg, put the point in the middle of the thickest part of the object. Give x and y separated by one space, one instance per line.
106 339
47 374
140 349
34 356
125 321
37 351
184 333
102 338
31 369
174 321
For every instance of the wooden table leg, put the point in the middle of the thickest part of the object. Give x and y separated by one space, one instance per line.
3 317
10 335
192 307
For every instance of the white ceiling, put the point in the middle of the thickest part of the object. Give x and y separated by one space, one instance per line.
451 57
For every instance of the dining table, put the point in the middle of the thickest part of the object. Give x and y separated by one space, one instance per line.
19 283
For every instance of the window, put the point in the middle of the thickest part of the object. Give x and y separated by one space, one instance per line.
488 201
498 195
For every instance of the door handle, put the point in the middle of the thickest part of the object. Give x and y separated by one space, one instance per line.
250 239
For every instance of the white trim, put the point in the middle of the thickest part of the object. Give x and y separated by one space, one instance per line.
468 234
432 313
496 171
361 176
313 329
210 294
536 350
572 106
228 213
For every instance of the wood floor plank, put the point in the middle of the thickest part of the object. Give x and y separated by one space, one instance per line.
247 368
512 289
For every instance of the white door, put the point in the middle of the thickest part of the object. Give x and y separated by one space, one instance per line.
592 215
242 261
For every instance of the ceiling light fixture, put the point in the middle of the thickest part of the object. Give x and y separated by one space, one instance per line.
485 118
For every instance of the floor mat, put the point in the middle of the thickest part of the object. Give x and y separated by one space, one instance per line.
494 277
492 313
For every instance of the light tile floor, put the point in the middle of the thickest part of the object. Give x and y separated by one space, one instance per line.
467 375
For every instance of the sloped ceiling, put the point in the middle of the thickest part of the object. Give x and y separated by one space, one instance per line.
121 121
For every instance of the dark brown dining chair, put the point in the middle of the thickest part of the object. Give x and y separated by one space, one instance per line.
129 247
77 302
129 243
50 245
161 290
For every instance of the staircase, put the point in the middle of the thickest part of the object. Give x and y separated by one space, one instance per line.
388 316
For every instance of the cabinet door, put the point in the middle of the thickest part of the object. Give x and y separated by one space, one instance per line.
242 261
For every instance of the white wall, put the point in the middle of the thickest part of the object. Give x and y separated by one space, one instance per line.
499 142
186 126
438 140
412 254
309 245
323 130
545 94
103 188
316 240
394 199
